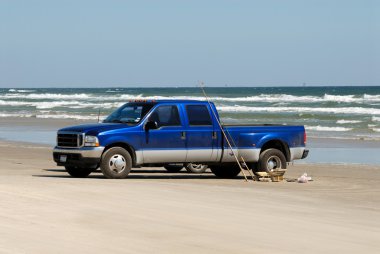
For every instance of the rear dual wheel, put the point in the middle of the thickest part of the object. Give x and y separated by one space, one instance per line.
190 167
225 171
271 160
196 168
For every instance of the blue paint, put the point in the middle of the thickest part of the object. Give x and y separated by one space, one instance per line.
186 137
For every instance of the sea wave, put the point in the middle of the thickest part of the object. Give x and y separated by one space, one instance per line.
66 104
21 90
44 96
325 128
269 98
343 110
16 115
342 121
77 104
71 116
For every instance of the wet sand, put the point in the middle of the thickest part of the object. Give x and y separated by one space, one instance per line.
43 210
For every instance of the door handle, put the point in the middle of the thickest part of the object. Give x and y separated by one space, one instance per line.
214 136
183 135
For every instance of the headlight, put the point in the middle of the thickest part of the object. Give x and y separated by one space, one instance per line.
91 141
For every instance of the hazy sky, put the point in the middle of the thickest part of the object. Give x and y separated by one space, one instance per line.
177 43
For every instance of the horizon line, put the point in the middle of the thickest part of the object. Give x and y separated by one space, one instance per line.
195 86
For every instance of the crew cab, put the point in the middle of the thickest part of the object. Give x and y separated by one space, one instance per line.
173 132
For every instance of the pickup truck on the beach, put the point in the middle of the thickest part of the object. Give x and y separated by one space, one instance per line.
171 133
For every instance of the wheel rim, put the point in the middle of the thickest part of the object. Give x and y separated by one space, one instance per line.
196 166
117 163
274 163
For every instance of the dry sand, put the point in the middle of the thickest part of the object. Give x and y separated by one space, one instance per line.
44 211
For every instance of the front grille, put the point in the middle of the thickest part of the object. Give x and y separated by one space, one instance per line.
69 140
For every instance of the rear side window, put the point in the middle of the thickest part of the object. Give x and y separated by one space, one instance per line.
166 116
198 115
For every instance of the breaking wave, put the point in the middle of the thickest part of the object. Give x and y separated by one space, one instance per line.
348 121
325 128
270 98
343 110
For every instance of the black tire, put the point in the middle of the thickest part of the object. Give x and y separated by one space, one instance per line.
173 168
116 163
230 171
196 168
78 172
271 160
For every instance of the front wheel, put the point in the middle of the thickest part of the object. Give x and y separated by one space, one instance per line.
196 168
271 160
230 171
78 172
116 163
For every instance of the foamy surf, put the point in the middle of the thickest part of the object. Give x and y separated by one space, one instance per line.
321 109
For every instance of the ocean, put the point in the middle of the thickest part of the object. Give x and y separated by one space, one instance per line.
326 112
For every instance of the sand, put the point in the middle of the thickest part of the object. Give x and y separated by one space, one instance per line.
43 210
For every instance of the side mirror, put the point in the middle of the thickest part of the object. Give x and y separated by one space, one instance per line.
151 125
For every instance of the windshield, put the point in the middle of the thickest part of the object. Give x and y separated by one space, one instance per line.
130 113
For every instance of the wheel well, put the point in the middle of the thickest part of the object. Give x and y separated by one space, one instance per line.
277 144
126 147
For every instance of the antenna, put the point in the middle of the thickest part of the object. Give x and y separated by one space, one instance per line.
98 115
201 85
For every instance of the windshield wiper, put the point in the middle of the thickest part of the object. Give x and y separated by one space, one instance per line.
119 121
115 121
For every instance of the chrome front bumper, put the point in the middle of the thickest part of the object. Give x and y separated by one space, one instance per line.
85 152
78 157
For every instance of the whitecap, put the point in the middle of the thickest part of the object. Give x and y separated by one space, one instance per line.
15 115
325 128
69 116
343 110
342 121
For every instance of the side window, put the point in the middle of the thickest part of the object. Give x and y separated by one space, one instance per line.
166 116
198 115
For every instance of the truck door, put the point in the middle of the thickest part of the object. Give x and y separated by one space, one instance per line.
167 143
201 135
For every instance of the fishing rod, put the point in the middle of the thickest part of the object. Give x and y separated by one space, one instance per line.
223 132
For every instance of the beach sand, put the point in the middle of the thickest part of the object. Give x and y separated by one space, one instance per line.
43 210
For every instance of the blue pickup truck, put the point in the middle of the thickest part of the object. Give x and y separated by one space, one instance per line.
171 133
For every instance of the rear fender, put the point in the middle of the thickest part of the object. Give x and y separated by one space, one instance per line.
274 141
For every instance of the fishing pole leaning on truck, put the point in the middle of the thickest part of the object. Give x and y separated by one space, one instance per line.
226 138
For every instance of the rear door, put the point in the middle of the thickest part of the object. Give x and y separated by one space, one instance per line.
168 142
201 136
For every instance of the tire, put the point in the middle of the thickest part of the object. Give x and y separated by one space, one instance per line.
116 163
196 168
78 172
271 160
173 168
228 172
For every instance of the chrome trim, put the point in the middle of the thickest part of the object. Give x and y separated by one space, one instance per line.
72 132
201 155
86 152
139 157
296 153
162 156
249 154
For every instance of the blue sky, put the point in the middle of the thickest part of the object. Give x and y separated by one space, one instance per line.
177 43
